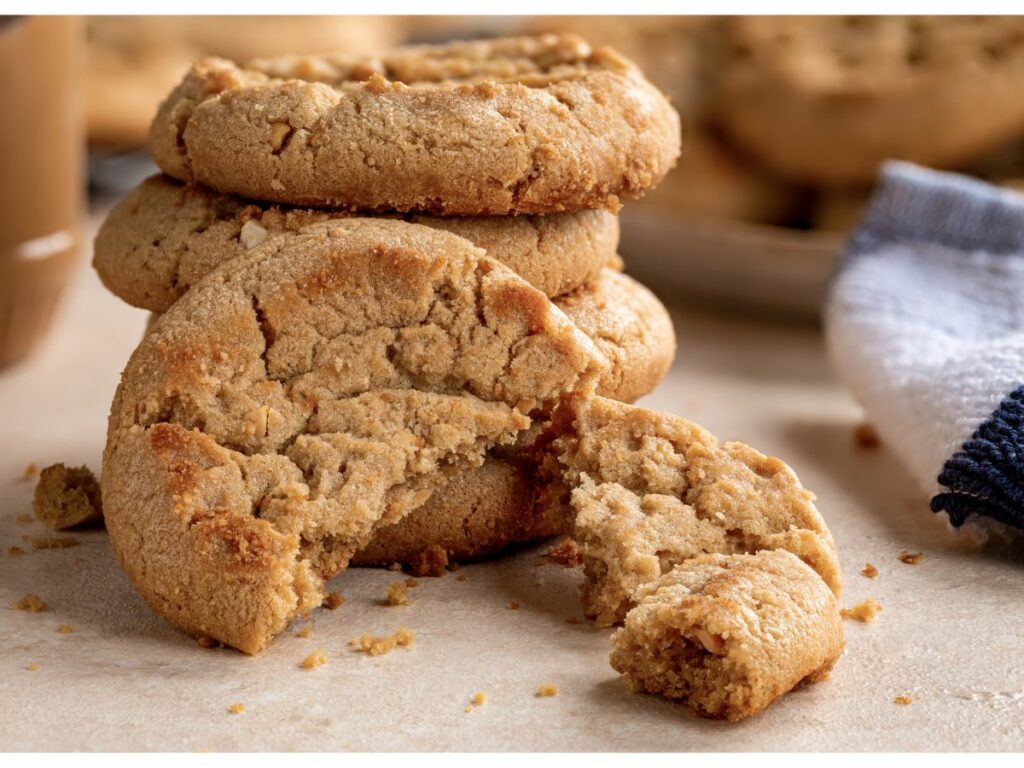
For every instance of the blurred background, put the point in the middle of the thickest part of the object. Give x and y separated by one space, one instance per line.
785 121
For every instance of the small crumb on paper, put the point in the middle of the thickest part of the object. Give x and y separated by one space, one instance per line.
30 471
513 606
398 594
237 708
54 542
902 700
31 603
864 611
207 642
315 659
333 601
65 629
864 436
565 552
911 558
32 667
430 561
380 645
306 631
547 689
869 571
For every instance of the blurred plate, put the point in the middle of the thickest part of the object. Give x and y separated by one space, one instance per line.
739 266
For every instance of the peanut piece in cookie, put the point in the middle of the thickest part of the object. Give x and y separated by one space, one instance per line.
729 634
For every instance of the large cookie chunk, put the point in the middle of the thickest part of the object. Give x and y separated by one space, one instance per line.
652 490
308 392
729 634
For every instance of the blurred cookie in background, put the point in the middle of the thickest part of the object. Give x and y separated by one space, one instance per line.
134 61
825 100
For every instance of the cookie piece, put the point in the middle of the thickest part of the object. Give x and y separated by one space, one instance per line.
826 99
630 326
729 634
515 125
652 490
307 392
66 497
474 514
164 236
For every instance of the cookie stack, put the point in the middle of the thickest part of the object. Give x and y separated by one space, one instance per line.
427 358
521 146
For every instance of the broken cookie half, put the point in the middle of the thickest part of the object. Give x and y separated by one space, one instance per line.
291 403
651 490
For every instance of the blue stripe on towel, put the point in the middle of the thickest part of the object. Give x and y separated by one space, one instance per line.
986 476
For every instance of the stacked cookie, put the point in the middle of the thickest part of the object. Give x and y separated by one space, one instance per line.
429 358
520 146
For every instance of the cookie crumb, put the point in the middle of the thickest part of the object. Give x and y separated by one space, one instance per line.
54 542
333 601
31 603
15 551
398 594
565 552
869 571
32 667
378 646
30 471
24 519
864 611
237 708
65 629
315 659
67 497
902 700
479 698
207 642
306 631
911 558
461 577
429 561
513 606
864 436
547 689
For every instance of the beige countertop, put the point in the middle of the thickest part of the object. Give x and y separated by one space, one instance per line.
951 634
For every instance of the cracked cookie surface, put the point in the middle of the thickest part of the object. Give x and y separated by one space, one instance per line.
729 634
290 403
516 125
164 236
652 490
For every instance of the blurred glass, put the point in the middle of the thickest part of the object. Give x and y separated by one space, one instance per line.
41 186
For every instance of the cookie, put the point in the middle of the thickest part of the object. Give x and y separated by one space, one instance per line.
515 125
164 236
631 328
729 634
651 490
826 99
132 61
288 406
474 514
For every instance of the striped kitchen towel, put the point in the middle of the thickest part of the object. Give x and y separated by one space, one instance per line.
925 324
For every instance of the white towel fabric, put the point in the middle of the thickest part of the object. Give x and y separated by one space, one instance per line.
925 324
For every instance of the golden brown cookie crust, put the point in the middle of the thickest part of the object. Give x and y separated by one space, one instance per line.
729 634
164 236
630 326
516 125
827 99
285 407
652 490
